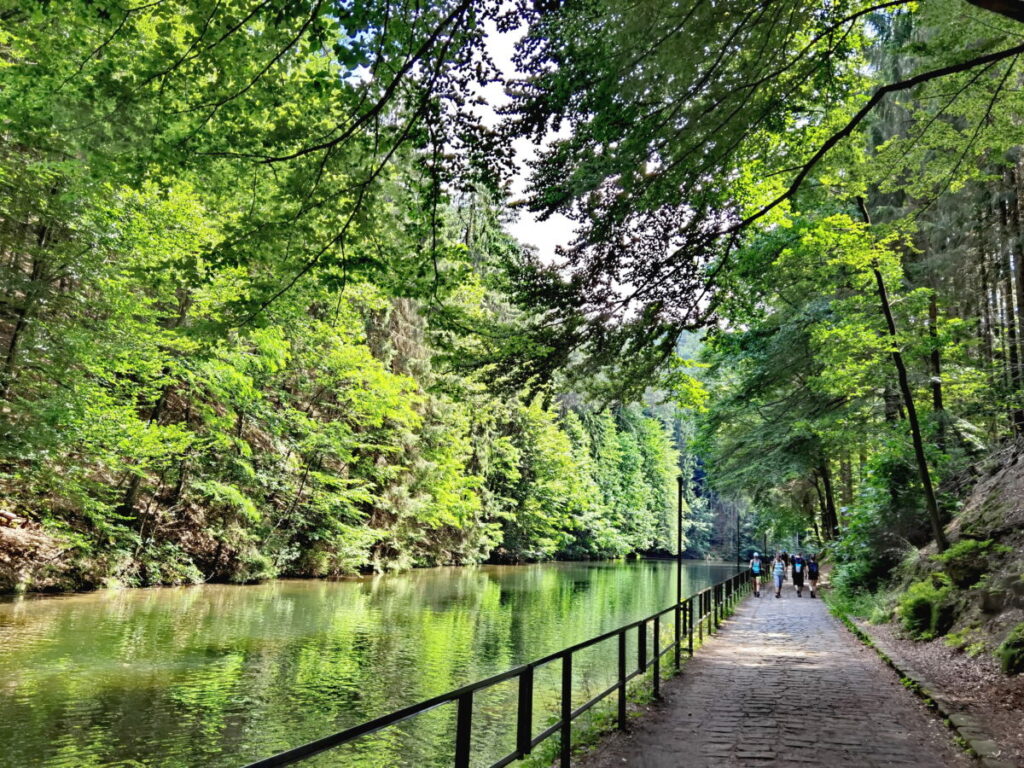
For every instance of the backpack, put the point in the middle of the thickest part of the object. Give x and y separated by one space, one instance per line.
797 565
755 566
812 570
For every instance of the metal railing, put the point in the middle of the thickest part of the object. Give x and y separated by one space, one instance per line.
706 607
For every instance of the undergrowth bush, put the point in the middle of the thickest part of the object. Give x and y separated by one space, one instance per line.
966 561
926 608
1011 651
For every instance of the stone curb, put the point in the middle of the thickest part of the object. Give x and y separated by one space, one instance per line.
965 725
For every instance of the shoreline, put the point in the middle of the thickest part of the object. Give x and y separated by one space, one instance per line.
14 596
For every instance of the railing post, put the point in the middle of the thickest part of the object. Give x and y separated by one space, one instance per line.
524 713
707 604
689 621
463 730
622 680
566 750
700 619
641 647
679 636
657 657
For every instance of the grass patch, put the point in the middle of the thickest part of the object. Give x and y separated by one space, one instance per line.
876 608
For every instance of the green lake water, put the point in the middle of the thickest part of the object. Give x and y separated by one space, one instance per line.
221 675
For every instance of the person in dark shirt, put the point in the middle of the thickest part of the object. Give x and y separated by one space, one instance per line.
812 574
797 565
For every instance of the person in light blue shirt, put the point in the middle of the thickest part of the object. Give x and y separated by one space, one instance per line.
757 568
778 573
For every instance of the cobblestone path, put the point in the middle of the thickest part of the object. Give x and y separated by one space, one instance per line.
783 681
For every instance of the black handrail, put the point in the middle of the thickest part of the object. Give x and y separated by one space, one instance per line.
710 605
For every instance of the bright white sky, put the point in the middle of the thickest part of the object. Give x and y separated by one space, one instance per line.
543 235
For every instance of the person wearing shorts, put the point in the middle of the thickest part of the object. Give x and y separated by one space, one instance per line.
798 566
778 573
812 574
757 569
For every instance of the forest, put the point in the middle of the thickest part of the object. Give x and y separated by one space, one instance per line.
261 313
229 369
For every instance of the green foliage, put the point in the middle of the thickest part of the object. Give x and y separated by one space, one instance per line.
240 281
926 609
256 289
1011 651
966 561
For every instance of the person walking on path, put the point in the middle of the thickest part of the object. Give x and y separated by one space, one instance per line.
797 564
778 573
756 567
812 574
730 708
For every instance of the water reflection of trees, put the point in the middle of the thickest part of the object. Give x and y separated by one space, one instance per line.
220 674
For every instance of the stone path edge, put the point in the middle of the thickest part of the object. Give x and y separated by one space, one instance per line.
965 726
592 738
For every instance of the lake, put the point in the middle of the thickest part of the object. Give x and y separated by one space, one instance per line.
220 675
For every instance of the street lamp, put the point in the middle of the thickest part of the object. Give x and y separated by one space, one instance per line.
738 559
679 540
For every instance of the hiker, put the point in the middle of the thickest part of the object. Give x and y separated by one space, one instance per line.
812 574
778 573
755 568
797 564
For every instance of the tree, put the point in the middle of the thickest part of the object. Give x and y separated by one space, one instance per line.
672 152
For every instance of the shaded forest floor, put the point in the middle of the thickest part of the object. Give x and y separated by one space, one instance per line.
975 685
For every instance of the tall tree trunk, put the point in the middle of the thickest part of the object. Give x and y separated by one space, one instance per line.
893 409
131 494
935 363
22 315
931 503
846 472
986 310
1013 333
1018 262
846 489
831 524
822 510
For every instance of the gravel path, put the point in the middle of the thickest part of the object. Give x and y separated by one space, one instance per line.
783 681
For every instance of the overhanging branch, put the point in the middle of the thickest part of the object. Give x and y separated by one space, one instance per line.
864 111
1011 9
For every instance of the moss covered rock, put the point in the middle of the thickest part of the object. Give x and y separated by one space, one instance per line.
1011 652
968 560
927 609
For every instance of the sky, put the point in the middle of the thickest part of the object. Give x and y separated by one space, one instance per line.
557 230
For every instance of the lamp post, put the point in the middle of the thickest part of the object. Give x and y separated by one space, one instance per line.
738 558
679 540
